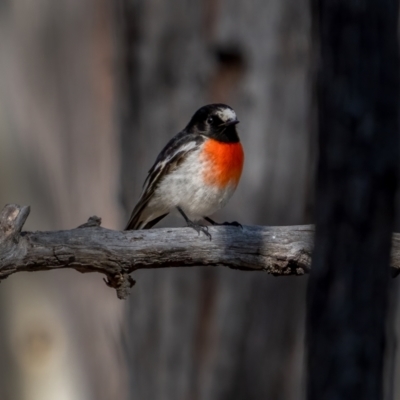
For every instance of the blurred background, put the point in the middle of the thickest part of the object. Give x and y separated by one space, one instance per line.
90 92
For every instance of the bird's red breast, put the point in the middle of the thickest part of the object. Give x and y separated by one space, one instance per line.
225 161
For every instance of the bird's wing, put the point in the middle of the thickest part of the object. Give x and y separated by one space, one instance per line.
173 154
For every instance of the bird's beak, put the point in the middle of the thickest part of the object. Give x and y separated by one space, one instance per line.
231 122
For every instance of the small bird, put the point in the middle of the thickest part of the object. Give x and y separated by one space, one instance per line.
197 172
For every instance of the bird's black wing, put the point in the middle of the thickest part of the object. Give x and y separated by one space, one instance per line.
173 154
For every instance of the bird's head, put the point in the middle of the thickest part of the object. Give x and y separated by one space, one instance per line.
217 121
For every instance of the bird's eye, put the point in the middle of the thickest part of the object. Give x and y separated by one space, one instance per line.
211 120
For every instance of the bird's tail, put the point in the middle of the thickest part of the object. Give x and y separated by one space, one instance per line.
136 224
139 220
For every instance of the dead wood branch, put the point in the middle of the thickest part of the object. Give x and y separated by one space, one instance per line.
91 248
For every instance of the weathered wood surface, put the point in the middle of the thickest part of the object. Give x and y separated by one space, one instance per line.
91 248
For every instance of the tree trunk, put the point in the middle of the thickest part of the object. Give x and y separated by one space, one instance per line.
358 93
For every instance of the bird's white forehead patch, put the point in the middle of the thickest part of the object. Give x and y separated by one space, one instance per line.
226 114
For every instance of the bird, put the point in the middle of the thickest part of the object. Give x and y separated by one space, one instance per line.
196 173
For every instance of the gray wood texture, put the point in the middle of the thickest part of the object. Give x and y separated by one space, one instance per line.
90 248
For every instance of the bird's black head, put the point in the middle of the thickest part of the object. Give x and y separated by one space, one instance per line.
217 121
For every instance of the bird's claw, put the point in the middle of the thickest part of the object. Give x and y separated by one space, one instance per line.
200 228
234 223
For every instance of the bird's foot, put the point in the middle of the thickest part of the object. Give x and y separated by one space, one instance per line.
199 228
234 223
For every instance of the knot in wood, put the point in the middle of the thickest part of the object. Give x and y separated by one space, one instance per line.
122 283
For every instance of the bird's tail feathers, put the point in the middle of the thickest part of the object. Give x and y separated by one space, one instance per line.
139 220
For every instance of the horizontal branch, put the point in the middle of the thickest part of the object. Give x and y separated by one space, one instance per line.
91 248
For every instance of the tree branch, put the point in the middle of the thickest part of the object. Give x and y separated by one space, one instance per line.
91 248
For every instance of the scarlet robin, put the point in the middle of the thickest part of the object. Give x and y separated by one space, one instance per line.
197 171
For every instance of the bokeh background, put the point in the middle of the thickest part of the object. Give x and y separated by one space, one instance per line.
90 91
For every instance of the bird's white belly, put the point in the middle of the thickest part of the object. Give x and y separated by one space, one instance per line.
185 188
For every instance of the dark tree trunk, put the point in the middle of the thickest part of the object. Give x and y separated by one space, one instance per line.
358 98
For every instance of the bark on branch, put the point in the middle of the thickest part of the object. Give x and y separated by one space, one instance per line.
91 248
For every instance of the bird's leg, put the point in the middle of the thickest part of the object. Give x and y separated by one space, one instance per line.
212 222
197 227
